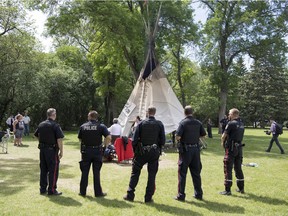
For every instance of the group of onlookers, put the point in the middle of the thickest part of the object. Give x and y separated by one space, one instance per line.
19 125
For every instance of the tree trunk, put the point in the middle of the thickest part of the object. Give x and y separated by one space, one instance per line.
223 104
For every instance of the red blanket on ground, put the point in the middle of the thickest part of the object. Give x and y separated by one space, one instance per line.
121 153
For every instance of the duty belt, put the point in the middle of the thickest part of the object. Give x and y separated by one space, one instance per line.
192 145
94 147
42 145
149 147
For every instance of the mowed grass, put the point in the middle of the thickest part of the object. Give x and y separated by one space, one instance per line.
266 186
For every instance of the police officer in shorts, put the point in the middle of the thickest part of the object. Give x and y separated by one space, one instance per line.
148 139
189 132
50 137
90 136
232 143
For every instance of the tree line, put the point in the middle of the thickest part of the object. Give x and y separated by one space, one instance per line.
100 48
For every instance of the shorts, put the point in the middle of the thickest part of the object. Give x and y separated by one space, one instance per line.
19 133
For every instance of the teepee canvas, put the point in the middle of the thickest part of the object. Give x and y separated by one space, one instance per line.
152 88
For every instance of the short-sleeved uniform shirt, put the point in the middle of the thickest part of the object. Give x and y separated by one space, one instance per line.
48 132
235 130
91 133
190 130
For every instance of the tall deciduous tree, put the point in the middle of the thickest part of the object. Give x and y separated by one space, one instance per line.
234 28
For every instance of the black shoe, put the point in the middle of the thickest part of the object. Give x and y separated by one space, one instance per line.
198 197
83 195
43 192
56 193
128 199
283 152
227 193
101 195
240 191
267 150
149 201
179 199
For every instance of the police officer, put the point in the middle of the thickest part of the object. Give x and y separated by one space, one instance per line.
50 138
148 139
189 132
232 142
90 136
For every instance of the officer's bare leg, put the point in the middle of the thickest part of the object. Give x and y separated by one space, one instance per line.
152 171
182 172
84 167
96 176
239 173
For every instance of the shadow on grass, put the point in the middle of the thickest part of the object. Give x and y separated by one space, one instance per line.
219 207
172 209
64 201
17 173
109 203
264 199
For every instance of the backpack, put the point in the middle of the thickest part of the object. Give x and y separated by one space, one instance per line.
279 129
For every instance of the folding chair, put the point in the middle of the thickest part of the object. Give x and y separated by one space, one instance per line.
5 137
202 143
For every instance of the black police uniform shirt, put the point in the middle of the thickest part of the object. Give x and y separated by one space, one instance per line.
235 130
91 133
148 137
190 130
48 132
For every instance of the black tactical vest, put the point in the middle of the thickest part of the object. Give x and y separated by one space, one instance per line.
149 133
91 134
237 133
191 133
47 132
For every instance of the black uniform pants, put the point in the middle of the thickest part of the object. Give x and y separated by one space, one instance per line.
275 138
92 156
151 157
49 169
189 159
231 159
209 131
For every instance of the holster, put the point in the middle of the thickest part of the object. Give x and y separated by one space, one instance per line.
139 149
83 148
182 147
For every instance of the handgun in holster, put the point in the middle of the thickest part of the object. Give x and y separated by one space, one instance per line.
182 147
83 148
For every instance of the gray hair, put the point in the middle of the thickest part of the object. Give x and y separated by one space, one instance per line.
50 112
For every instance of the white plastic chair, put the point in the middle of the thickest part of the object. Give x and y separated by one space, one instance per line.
5 141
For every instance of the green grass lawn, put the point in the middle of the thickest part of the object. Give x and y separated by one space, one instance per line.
266 186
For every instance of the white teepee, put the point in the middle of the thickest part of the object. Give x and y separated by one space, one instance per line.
152 88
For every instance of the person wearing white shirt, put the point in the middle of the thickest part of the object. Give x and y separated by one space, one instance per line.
9 122
26 120
115 130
